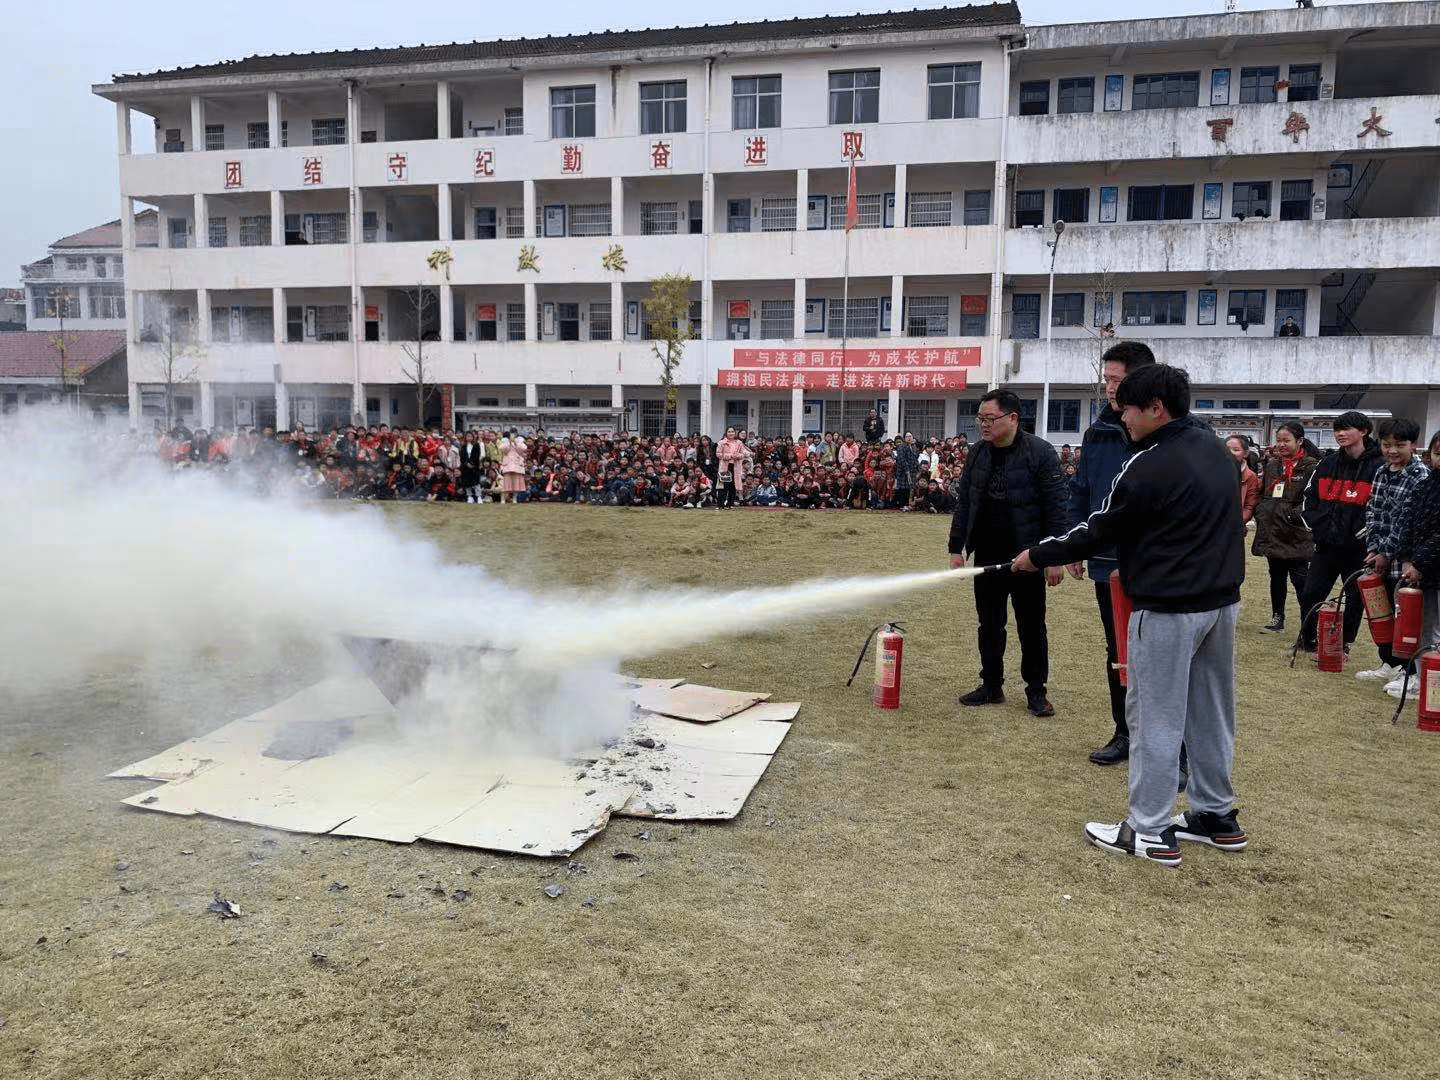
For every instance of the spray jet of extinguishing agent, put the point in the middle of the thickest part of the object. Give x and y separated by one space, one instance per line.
890 649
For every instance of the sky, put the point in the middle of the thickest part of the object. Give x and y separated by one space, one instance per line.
62 176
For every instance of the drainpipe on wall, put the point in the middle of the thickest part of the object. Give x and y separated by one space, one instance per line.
707 296
999 205
357 325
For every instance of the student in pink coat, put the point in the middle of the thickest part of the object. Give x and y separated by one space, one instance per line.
732 453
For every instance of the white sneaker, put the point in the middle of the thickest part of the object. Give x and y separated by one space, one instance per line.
1394 686
1385 672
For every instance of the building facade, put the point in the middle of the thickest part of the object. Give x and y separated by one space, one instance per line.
497 212
80 283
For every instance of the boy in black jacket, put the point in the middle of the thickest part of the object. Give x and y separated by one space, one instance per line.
1173 520
1334 509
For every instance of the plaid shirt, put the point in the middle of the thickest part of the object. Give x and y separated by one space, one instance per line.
1388 496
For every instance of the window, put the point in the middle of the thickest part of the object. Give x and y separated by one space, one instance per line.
485 226
1153 308
572 112
1029 208
777 214
777 319
514 222
1075 95
1035 98
864 317
294 324
697 217
1162 203
923 417
179 232
257 323
659 218
871 208
567 322
218 233
1304 82
1025 320
1069 309
1240 403
284 132
1290 302
656 419
328 132
369 226
255 230
101 266
515 322
1071 205
590 219
1064 417
755 102
107 301
1284 403
214 136
928 208
954 91
332 322
600 320
974 324
257 135
328 228
855 97
662 107
77 263
927 316
774 418
1250 199
1247 307
220 324
118 263
514 122
1295 200
737 215
1175 90
977 208
1257 84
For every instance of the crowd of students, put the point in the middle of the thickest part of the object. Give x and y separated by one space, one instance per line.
828 471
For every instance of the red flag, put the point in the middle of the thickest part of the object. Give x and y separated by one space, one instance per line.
852 201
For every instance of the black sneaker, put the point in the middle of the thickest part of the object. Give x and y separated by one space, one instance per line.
1037 704
984 695
1276 625
1216 830
1157 847
1113 752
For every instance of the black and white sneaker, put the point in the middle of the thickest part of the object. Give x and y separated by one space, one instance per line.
1121 838
1276 625
1220 831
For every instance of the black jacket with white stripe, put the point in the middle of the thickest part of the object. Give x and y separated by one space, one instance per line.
1173 518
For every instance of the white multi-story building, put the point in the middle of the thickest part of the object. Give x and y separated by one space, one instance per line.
1215 174
81 281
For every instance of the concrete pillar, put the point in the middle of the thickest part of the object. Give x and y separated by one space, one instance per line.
617 396
532 315
282 403
447 313
902 214
127 224
617 311
799 328
202 221
797 413
445 210
802 198
707 409
1434 310
527 212
1432 416
122 128
442 111
272 114
892 422
897 304
202 317
197 123
532 395
134 393
207 405
277 308
952 416
617 206
162 223
707 310
707 204
277 217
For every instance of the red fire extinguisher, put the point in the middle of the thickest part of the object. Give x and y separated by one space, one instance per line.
1329 641
1409 618
889 651
1378 610
1120 608
1428 694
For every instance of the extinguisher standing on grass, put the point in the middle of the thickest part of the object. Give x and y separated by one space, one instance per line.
1418 552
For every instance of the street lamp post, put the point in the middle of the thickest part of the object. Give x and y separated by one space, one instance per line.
1042 422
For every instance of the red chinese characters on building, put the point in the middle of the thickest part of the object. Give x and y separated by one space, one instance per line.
232 174
853 144
1220 128
1372 125
570 158
757 150
660 154
485 161
1295 126
313 171
397 168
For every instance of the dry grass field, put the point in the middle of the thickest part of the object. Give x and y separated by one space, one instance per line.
906 894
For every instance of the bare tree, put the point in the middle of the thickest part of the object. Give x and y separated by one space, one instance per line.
424 304
667 309
61 345
176 359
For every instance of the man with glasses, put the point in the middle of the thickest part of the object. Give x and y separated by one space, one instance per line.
1012 494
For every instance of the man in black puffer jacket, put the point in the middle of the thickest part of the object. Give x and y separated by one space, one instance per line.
1334 509
1011 494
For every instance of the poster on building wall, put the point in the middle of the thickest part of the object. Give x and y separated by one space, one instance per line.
1114 92
1210 207
816 209
1220 86
1209 300
305 411
547 319
1109 203
244 412
1340 175
485 312
738 309
814 316
813 420
632 318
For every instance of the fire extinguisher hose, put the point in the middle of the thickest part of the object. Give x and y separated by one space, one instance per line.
1314 613
866 647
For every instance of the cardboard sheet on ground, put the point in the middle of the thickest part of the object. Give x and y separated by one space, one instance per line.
326 760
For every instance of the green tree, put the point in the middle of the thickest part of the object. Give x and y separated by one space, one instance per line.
667 310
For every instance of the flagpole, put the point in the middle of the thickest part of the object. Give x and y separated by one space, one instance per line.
844 327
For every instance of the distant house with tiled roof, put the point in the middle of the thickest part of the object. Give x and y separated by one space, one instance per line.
82 278
12 310
86 367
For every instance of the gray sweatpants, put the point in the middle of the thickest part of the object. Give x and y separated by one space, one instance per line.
1182 690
